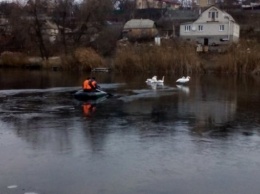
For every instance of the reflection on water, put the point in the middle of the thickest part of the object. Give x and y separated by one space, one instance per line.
155 86
88 109
204 134
184 89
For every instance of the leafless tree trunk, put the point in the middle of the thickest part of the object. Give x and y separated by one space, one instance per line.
92 17
34 9
63 12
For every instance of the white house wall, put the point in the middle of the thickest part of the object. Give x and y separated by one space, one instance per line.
208 30
236 32
222 27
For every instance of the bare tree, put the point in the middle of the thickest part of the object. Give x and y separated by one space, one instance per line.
19 28
79 24
35 8
229 4
62 16
92 17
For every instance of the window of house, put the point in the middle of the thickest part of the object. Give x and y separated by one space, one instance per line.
213 14
221 27
200 27
187 28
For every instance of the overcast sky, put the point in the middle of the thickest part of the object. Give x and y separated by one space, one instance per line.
11 0
24 0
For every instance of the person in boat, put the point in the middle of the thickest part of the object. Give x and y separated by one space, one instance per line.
94 85
90 85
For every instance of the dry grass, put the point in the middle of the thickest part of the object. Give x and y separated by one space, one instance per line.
170 57
241 58
13 59
83 59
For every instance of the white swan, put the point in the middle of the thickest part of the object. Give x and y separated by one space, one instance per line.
160 81
152 80
183 79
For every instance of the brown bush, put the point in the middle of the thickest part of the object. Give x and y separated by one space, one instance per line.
83 59
88 57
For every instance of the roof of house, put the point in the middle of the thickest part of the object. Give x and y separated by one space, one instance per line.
224 12
139 23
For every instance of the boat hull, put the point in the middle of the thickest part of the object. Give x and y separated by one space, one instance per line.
85 96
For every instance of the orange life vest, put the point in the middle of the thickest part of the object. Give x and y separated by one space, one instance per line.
86 85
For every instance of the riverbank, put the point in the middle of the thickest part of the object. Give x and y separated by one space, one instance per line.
82 59
170 57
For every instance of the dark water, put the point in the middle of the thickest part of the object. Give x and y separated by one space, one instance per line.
198 139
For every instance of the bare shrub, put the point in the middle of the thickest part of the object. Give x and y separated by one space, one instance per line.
83 59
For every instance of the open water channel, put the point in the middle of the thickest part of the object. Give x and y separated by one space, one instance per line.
200 138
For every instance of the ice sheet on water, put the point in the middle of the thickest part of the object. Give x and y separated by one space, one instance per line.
11 92
30 193
12 186
4 93
111 86
147 93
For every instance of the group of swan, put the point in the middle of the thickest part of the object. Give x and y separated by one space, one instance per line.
154 80
180 83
